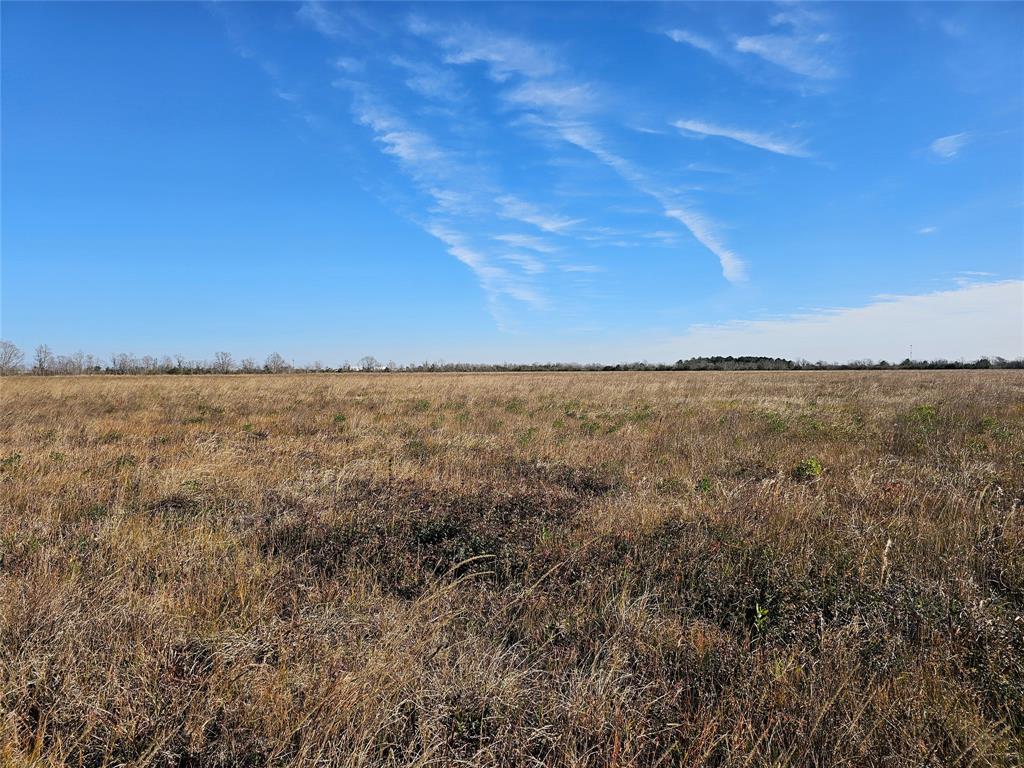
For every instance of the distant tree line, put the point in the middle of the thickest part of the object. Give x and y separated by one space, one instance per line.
45 362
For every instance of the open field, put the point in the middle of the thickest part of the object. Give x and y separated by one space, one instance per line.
561 569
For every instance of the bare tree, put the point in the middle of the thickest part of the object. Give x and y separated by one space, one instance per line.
275 363
248 365
68 365
124 362
44 360
11 358
223 362
369 363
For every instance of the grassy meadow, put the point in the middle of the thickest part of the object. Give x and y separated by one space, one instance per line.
567 569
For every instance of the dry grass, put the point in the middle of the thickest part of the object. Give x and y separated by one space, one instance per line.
562 569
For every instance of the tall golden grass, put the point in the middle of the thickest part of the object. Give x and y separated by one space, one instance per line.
568 569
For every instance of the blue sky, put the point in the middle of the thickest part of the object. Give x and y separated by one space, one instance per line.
591 182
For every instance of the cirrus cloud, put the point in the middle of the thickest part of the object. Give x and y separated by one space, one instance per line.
750 138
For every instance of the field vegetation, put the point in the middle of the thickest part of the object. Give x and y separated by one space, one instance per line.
566 569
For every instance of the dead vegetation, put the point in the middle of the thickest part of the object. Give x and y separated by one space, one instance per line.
518 569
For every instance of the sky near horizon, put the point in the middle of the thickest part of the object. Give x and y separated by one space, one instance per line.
514 182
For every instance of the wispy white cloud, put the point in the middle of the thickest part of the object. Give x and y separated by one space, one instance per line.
441 175
464 210
693 39
789 53
455 185
349 65
968 322
321 18
750 138
733 268
531 265
708 168
805 48
649 131
467 204
428 164
929 230
948 147
243 46
416 150
586 138
504 55
521 210
559 105
494 279
337 20
558 96
429 81
527 241
703 231
665 236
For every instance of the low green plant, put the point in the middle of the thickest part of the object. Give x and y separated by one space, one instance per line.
526 436
923 413
774 421
515 405
642 412
760 617
808 469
